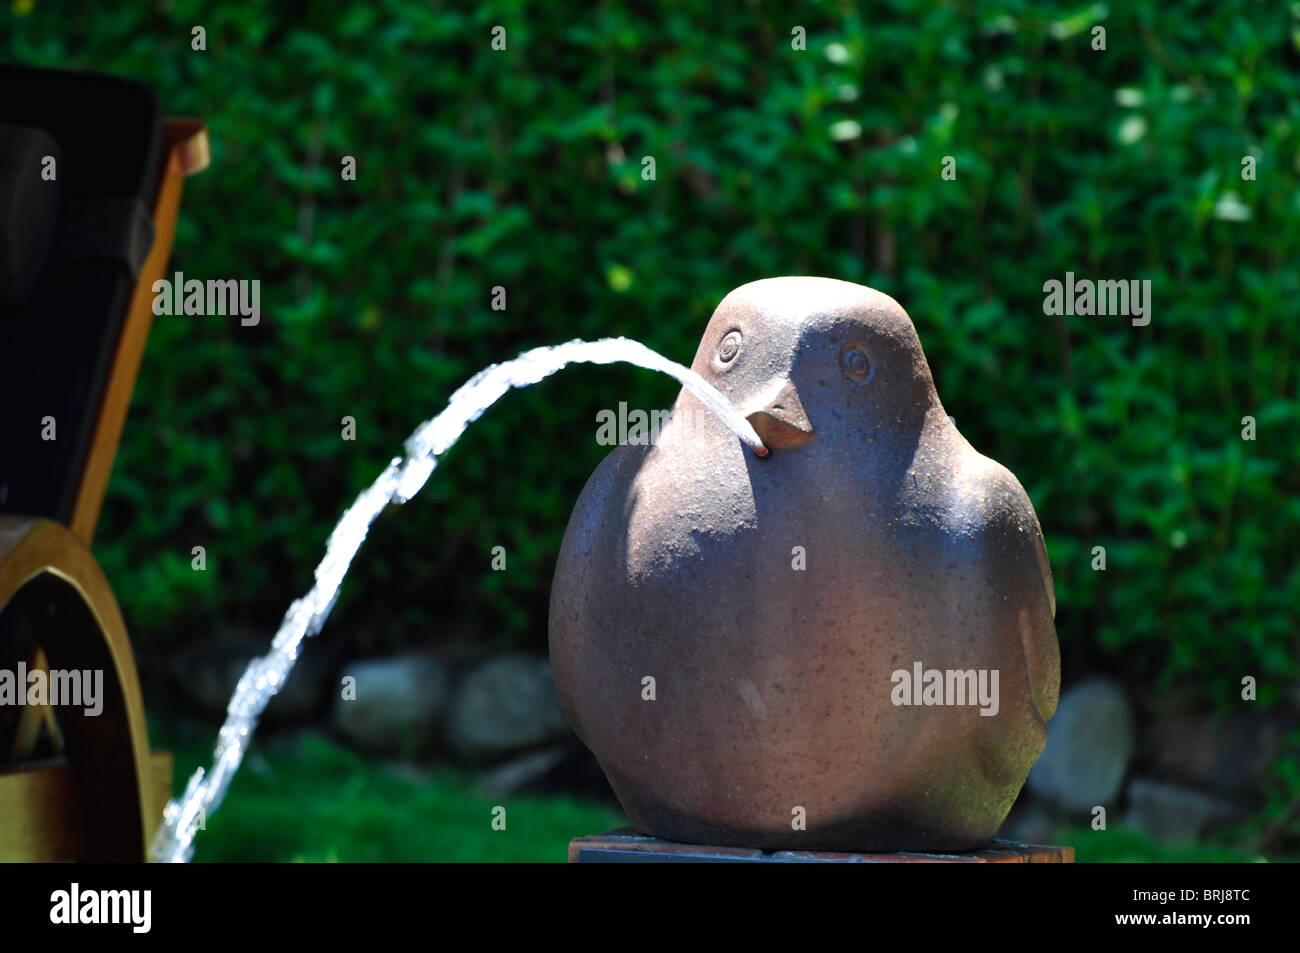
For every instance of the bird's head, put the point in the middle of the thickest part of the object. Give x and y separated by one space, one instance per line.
817 359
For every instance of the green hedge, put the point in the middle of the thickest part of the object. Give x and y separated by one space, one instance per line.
523 169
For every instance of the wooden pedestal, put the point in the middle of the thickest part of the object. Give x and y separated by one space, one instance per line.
626 846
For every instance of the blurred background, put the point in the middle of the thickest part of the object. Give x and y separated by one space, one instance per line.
522 168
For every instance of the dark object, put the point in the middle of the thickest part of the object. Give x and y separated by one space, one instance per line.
31 212
90 186
71 248
625 846
727 632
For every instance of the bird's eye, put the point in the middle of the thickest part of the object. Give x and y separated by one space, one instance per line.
855 362
729 347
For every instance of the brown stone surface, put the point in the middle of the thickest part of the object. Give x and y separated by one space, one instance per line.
773 684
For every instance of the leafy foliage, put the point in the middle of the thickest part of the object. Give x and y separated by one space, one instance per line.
522 168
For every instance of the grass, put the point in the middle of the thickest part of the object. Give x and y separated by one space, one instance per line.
309 799
1120 844
305 798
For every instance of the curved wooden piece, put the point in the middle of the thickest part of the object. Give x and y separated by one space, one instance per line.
75 618
187 154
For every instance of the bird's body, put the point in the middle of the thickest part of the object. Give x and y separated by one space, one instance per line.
771 602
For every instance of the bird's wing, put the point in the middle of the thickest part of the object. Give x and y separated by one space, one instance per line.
1018 569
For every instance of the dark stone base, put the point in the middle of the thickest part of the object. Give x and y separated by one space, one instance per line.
625 845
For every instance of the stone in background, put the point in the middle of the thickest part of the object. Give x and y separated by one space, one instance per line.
399 705
1090 742
505 705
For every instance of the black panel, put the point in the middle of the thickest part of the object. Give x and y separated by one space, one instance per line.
55 349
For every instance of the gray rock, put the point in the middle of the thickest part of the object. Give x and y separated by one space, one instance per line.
207 677
398 705
522 771
1089 744
1229 755
504 705
1171 812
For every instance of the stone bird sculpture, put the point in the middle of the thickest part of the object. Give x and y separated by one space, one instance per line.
847 645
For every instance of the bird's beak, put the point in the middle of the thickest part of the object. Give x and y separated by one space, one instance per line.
780 419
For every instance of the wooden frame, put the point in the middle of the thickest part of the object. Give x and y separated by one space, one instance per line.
46 571
187 153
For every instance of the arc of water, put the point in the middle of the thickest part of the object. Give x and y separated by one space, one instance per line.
399 482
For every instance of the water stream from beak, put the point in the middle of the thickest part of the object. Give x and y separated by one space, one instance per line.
399 482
